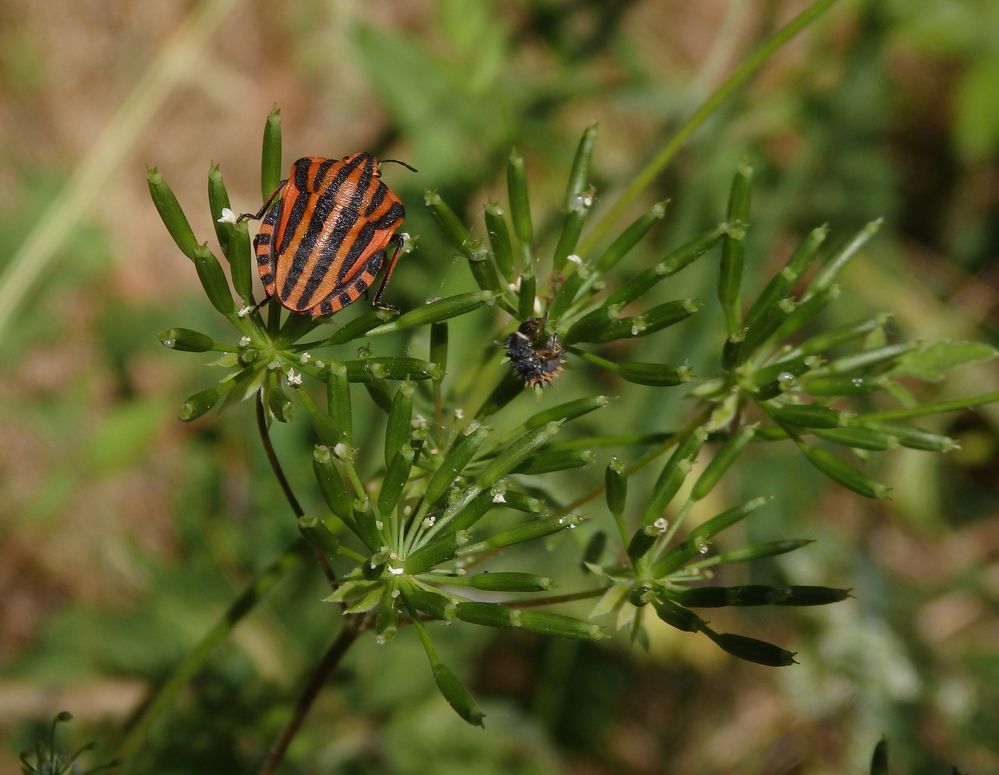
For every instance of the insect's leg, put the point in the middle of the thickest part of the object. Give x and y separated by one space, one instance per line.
388 273
270 200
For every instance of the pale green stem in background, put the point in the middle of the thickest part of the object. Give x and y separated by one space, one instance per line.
659 162
84 188
161 701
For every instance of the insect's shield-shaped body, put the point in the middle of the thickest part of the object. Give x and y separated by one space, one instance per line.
323 239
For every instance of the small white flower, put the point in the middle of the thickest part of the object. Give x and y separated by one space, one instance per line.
574 258
294 378
499 498
340 450
459 413
661 524
244 341
321 364
305 357
429 521
228 216
395 571
274 365
244 311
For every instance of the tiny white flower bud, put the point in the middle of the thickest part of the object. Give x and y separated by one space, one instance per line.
228 216
294 378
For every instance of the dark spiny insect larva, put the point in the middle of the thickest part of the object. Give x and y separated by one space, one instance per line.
535 358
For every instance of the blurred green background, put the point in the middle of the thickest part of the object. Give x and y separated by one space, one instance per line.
125 533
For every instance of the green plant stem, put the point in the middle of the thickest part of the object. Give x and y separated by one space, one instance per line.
308 696
290 559
643 461
178 58
296 507
659 162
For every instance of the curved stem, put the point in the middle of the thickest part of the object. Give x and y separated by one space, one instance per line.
308 696
665 155
296 507
272 458
291 558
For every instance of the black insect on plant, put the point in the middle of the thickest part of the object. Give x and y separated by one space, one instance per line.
535 357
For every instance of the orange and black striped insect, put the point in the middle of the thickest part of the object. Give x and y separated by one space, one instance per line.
535 358
325 234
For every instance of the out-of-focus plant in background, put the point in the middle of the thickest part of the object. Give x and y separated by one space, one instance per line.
127 535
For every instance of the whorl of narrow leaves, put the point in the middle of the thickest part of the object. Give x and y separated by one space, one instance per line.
416 521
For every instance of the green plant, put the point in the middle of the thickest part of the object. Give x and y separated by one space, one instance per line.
49 760
407 522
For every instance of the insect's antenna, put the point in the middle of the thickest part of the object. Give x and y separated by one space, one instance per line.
396 161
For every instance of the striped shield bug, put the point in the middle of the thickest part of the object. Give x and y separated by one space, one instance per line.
535 358
325 233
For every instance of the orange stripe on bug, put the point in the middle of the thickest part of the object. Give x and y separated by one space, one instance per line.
325 233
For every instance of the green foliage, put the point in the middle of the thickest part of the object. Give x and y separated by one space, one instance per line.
454 514
417 504
48 760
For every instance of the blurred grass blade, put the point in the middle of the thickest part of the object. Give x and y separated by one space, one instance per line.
116 142
669 149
